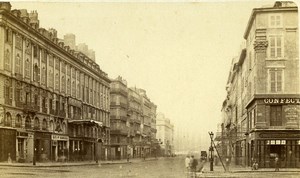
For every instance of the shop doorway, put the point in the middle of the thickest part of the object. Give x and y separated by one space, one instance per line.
277 150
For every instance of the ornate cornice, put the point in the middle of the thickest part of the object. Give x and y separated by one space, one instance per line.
260 45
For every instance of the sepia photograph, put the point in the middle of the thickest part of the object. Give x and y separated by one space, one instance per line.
149 89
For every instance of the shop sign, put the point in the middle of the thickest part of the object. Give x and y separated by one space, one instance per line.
282 100
59 137
291 113
279 135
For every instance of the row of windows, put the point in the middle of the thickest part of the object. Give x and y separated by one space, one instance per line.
276 116
63 77
36 125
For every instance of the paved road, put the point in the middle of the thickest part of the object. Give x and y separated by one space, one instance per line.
162 168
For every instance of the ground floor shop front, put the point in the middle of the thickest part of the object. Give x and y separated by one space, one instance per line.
285 145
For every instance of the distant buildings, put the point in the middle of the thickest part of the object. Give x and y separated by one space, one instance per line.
261 111
132 118
165 134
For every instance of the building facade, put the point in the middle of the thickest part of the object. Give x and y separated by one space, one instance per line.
165 135
261 111
54 101
132 119
119 120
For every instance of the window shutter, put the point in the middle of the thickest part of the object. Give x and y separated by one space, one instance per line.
272 81
278 46
272 47
279 81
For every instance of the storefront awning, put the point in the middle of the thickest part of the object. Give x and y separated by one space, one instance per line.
100 124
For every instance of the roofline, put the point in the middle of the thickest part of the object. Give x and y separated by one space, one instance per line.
264 10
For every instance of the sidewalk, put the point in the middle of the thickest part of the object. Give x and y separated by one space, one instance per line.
81 163
241 169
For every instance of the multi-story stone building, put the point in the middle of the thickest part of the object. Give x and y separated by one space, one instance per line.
119 120
132 118
263 103
54 101
165 134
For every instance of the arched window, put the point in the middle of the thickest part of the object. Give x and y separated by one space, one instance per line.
51 127
44 127
27 123
18 121
36 123
7 121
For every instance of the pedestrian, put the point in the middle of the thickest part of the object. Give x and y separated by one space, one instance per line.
227 164
187 163
194 164
276 163
254 164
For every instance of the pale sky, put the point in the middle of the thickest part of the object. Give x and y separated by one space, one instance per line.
180 53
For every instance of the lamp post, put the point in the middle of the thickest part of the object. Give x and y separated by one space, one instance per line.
211 149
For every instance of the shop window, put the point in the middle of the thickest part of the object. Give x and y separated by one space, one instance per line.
18 121
275 115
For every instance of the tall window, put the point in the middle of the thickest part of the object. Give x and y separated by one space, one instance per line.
18 64
73 89
276 46
275 20
276 80
36 73
43 75
275 115
7 60
56 81
27 68
50 76
63 83
68 86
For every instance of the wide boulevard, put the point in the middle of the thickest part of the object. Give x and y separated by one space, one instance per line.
160 168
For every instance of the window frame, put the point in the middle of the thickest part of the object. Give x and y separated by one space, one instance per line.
269 83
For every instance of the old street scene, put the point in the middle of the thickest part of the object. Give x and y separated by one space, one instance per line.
149 89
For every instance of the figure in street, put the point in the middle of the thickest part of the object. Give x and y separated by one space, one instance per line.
276 163
187 165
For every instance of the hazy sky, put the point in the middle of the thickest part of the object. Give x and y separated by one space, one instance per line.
180 53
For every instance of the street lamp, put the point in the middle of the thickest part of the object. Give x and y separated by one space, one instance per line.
211 149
